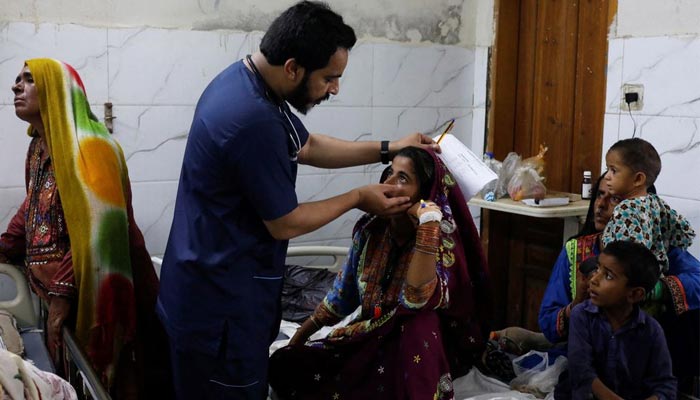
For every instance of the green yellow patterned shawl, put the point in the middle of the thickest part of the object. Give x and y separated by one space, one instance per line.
92 180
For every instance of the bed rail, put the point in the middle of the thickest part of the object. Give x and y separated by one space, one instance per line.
80 373
22 306
314 253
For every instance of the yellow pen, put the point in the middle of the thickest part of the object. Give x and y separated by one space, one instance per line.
447 129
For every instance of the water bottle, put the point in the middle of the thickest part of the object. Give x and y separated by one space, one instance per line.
488 192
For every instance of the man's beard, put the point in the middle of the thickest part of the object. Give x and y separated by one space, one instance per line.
300 98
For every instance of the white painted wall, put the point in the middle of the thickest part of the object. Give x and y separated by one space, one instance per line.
477 23
649 18
431 21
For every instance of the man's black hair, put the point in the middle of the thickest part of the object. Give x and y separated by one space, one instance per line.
640 264
309 32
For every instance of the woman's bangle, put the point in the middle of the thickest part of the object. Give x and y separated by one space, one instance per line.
313 320
428 235
428 251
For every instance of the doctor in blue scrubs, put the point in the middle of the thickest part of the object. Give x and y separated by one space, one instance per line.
237 208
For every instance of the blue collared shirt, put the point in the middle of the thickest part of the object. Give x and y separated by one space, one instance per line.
633 362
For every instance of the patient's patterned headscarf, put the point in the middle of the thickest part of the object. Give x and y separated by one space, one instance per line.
92 180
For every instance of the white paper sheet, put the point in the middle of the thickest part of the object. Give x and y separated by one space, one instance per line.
470 171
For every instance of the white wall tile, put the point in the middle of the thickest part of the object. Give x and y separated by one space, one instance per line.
347 123
611 129
255 39
678 143
614 75
10 200
153 139
431 76
168 67
690 209
356 82
14 143
395 123
320 187
82 47
154 205
668 68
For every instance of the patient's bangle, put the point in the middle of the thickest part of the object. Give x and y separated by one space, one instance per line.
426 249
315 322
428 235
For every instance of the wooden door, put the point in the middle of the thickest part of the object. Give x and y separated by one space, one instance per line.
547 87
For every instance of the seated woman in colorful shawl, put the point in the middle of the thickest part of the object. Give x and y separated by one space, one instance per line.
75 233
420 280
675 302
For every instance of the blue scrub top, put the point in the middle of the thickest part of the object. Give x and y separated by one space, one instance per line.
222 270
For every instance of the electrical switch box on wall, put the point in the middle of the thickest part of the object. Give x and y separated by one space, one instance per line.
632 98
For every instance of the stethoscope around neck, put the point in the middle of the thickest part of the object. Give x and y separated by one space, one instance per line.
282 107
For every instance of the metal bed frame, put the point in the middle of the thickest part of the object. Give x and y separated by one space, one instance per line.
30 315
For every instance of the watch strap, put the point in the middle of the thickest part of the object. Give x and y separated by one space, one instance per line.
384 152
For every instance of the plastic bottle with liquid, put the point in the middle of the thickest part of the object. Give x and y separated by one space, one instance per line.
488 192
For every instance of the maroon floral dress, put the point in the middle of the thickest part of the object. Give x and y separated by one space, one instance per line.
37 236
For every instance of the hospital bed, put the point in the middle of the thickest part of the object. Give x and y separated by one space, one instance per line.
29 314
473 386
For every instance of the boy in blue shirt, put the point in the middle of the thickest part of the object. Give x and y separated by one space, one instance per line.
616 350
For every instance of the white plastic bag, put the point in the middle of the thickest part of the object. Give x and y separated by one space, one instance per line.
526 183
540 379
508 167
477 386
518 362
